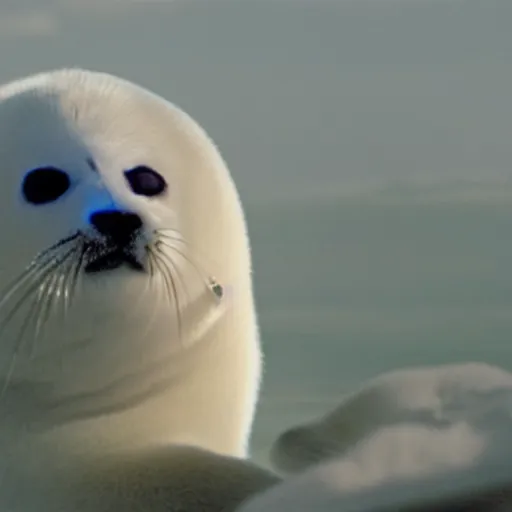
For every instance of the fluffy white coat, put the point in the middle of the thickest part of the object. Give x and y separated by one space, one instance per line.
125 390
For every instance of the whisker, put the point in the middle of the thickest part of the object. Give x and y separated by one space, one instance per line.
39 309
47 296
200 272
171 289
150 286
57 245
209 282
27 273
150 262
18 346
84 250
35 284
178 237
202 310
177 302
170 241
175 268
39 273
16 284
61 287
67 282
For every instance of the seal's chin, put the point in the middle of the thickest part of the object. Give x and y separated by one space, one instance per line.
112 260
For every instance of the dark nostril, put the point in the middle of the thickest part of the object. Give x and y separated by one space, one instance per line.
116 224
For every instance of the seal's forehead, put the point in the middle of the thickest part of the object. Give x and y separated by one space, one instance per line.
59 117
92 104
48 116
77 97
68 101
69 83
34 132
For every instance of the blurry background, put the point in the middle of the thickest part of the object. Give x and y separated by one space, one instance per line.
371 141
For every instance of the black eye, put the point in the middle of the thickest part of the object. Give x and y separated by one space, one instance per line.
44 185
144 181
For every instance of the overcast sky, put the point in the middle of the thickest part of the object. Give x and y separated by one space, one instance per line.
303 97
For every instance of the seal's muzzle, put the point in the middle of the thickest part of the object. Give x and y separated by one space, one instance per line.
120 230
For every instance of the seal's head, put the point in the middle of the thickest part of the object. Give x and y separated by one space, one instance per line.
122 238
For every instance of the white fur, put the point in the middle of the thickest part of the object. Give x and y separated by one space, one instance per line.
429 403
427 438
341 486
113 380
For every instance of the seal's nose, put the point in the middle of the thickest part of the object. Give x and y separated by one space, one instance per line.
117 225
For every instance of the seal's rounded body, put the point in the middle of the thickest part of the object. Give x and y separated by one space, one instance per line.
127 319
